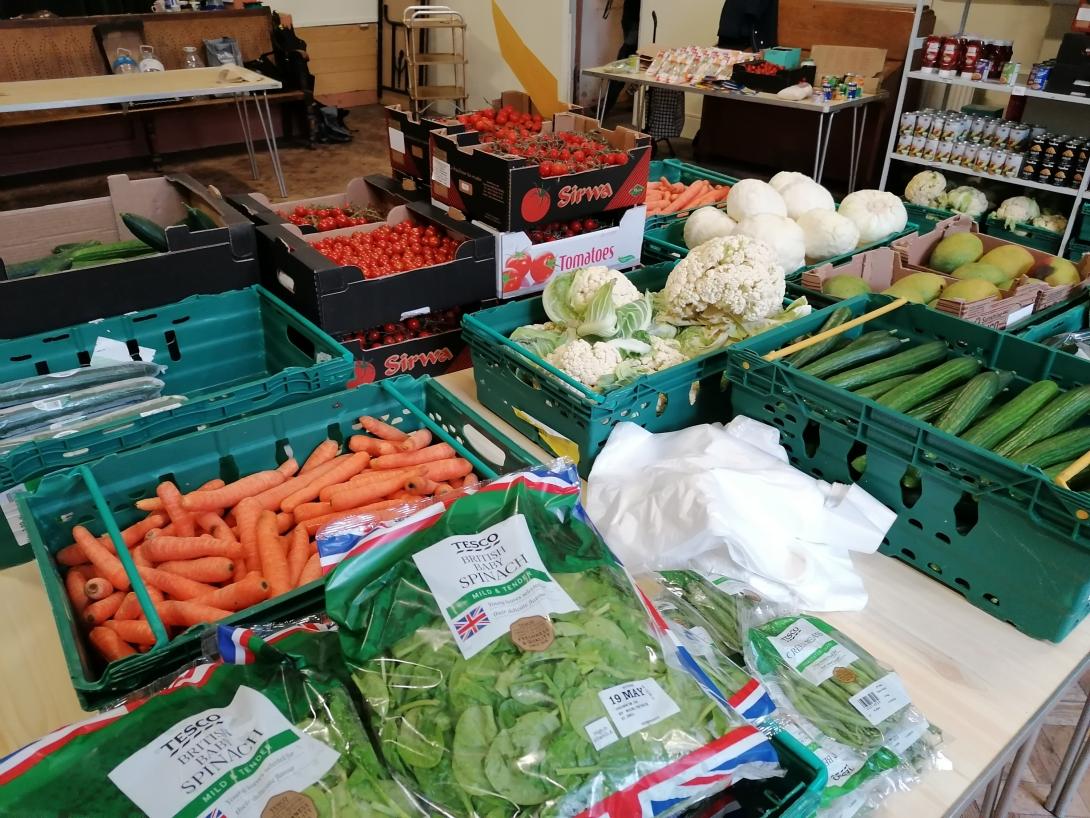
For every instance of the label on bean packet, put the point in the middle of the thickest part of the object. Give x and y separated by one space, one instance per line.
878 701
812 652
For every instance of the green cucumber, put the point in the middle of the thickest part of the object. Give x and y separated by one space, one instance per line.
1066 446
908 361
876 390
973 399
805 356
117 251
62 249
936 406
198 219
988 432
37 266
1058 416
146 231
924 387
865 348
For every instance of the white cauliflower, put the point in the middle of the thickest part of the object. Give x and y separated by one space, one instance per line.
587 363
925 187
725 279
664 354
587 281
1055 222
1017 209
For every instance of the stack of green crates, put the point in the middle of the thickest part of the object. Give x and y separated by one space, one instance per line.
1047 241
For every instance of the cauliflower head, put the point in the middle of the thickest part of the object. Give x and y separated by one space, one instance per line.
732 278
924 188
587 363
664 354
587 280
1055 222
1017 209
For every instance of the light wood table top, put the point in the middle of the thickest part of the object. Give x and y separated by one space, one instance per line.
980 680
76 92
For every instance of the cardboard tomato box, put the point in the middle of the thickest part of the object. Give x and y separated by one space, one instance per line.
523 267
509 193
340 300
375 192
433 355
915 251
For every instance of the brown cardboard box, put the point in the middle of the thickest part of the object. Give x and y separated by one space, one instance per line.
838 60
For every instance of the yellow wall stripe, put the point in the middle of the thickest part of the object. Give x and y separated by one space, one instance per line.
536 79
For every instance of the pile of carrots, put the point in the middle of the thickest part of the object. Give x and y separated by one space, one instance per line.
664 196
224 547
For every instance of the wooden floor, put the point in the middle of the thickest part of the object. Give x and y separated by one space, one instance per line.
1050 749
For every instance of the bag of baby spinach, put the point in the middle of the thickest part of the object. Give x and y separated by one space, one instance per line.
254 732
510 670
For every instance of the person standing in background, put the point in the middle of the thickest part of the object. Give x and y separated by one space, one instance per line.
748 24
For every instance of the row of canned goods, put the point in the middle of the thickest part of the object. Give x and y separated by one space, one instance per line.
982 130
968 155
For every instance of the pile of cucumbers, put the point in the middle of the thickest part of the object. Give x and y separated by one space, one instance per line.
150 238
1036 427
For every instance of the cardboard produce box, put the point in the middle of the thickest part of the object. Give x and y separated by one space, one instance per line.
523 267
340 300
433 355
838 60
509 193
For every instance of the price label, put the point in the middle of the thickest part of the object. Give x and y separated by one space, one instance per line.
397 140
633 706
878 701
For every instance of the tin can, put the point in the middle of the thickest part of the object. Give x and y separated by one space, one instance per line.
853 89
827 90
951 128
1013 166
918 144
983 66
1019 137
1061 176
1002 134
1029 169
931 149
946 149
1037 131
1082 156
968 159
923 122
938 122
908 122
957 153
1076 178
976 129
991 125
1044 173
1071 149
1053 147
983 159
998 162
1065 163
904 143
1038 77
1036 147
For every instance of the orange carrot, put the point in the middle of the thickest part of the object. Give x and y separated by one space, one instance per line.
98 612
690 195
202 569
444 470
420 486
188 614
272 498
109 644
429 454
364 493
136 631
76 581
139 557
469 480
133 535
442 488
355 463
247 512
129 608
382 430
232 493
106 564
388 510
162 549
285 522
178 587
309 510
404 497
289 467
98 588
368 476
182 520
274 561
372 445
323 453
298 552
311 571
241 594
416 440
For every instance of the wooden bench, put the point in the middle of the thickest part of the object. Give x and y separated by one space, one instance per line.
50 48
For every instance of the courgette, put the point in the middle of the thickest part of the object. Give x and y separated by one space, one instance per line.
988 432
1066 446
865 348
924 387
876 390
37 266
198 219
72 246
1058 416
118 251
812 353
147 231
973 399
908 361
936 406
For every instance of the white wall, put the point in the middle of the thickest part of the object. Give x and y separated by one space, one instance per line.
326 12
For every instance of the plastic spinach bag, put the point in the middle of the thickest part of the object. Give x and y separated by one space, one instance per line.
252 733
509 667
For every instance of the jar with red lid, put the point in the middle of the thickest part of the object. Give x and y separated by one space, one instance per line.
950 57
1004 53
974 50
932 48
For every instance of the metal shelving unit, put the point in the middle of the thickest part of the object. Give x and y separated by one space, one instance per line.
424 25
1078 195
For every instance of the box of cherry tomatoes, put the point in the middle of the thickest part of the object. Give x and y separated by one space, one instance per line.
417 260
425 344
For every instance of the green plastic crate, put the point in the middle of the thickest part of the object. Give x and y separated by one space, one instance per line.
1025 234
1002 535
796 795
232 354
666 242
1083 227
926 217
100 495
1077 249
677 171
1057 319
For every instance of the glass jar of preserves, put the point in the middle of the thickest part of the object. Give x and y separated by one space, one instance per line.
932 48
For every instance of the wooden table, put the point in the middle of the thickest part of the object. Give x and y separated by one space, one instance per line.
984 683
825 111
128 89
